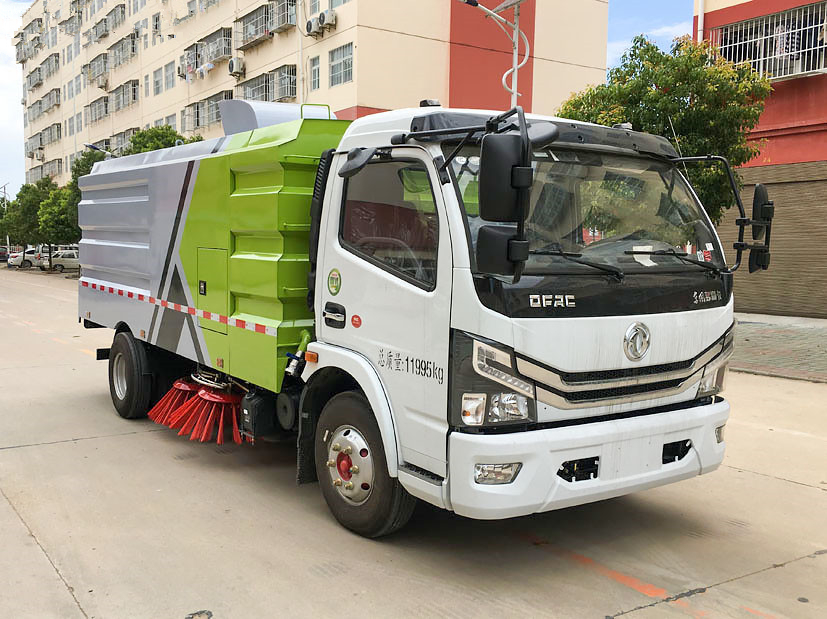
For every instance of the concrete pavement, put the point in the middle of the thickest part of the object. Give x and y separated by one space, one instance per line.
103 517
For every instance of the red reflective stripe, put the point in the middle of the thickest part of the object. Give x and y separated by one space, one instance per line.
191 311
177 307
164 303
131 295
152 300
261 329
140 297
120 293
85 284
241 324
222 319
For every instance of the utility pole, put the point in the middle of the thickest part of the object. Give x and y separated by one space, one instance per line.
515 35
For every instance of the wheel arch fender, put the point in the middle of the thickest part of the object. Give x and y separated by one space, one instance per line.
338 370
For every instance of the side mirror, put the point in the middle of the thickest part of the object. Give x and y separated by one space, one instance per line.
357 159
762 210
499 250
502 176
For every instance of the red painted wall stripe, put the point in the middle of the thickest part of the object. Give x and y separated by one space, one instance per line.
479 55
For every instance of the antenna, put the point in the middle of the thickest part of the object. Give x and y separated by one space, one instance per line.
678 144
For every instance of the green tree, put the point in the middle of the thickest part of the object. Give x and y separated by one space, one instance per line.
21 218
700 101
56 223
155 138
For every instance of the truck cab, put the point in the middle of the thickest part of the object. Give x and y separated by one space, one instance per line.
574 384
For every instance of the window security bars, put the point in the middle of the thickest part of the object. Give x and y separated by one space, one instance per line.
97 67
285 82
285 16
53 167
218 46
782 45
34 79
212 114
259 88
50 101
255 27
50 66
100 30
119 141
97 110
123 51
34 174
124 95
115 17
50 134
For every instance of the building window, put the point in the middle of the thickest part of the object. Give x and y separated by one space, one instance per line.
146 85
78 121
170 120
335 3
70 90
315 81
157 81
71 126
78 84
341 65
158 123
314 7
169 75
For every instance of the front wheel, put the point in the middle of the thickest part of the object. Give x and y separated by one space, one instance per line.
26 264
353 471
59 268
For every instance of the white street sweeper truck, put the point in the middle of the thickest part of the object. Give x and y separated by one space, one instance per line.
496 313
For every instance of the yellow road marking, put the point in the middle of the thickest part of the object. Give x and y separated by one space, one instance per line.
88 352
59 341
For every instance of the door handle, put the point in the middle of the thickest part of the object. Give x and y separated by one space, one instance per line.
334 315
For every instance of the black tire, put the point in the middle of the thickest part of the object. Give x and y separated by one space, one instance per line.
388 506
130 377
26 264
59 268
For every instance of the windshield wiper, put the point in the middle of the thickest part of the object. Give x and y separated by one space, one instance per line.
676 254
618 273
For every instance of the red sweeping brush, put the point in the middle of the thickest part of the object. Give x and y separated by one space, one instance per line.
200 415
182 390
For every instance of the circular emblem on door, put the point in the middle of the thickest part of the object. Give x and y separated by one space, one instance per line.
334 282
636 341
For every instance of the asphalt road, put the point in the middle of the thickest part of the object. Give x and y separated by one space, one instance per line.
103 517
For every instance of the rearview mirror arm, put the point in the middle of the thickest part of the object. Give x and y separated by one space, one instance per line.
743 221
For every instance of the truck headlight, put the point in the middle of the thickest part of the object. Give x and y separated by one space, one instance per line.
714 377
486 389
508 407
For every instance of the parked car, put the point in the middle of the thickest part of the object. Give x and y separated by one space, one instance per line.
63 261
24 260
4 254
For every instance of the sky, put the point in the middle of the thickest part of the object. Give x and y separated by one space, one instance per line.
660 20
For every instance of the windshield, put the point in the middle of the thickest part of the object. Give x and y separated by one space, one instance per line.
623 211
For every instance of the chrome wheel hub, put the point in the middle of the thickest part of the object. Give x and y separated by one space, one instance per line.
119 376
350 461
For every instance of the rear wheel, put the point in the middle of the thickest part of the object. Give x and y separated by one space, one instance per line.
130 377
353 471
59 268
26 264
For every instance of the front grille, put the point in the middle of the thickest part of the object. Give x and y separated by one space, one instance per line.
606 375
617 392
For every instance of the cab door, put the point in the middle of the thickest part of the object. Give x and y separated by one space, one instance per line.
385 290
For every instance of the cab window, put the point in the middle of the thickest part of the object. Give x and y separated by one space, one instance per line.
389 218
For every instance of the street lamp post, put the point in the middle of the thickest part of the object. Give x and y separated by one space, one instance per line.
515 35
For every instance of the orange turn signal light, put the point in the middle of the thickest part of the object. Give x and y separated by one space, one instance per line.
311 357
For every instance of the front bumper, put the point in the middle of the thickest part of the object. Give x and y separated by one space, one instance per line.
630 452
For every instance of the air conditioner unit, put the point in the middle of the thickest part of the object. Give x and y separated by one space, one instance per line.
313 28
39 154
327 19
23 101
236 66
102 82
